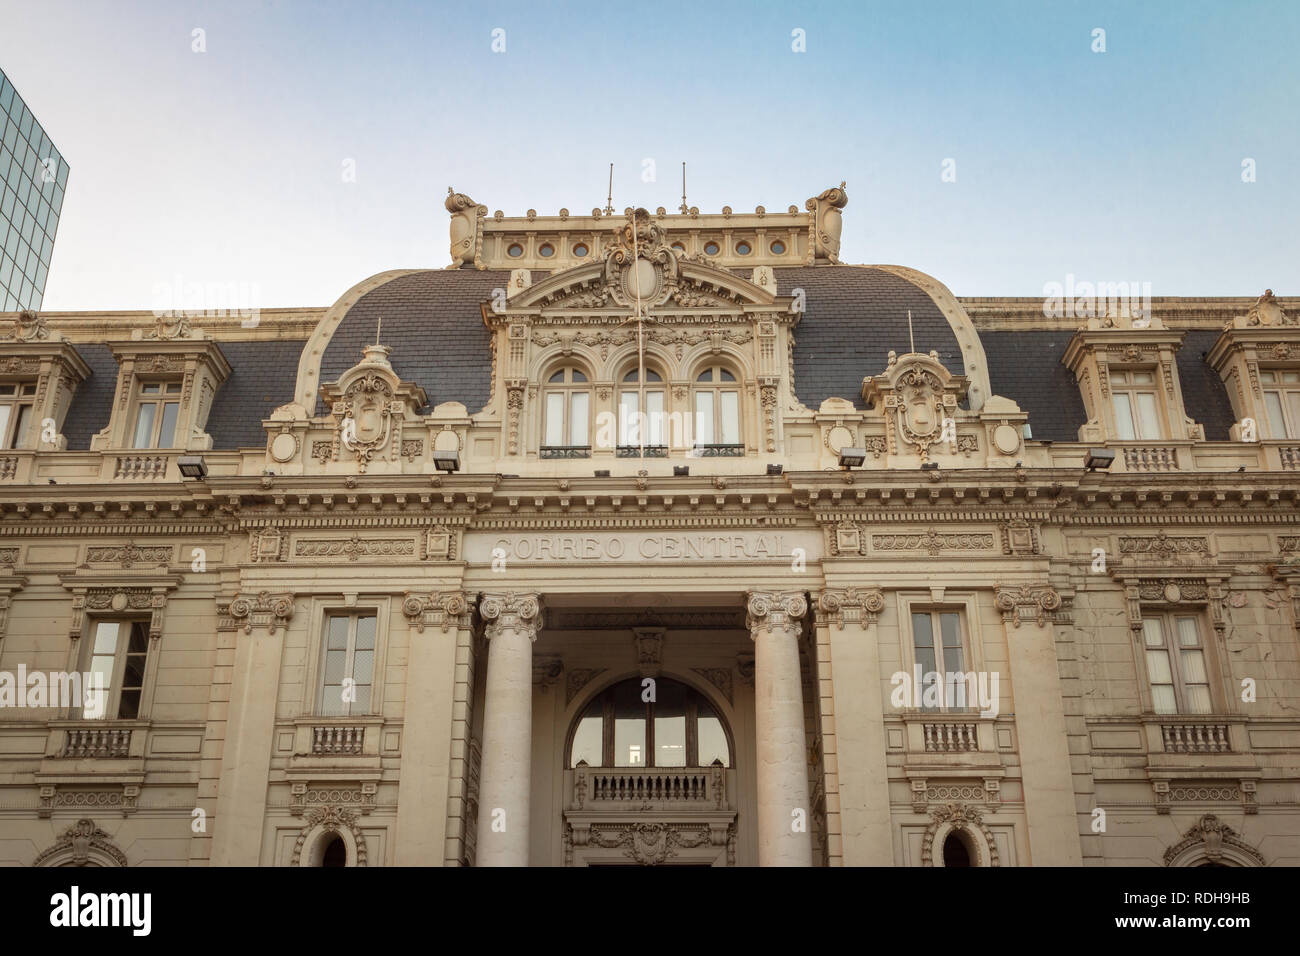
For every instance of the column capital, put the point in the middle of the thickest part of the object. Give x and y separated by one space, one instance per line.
852 605
775 609
445 609
1026 602
511 610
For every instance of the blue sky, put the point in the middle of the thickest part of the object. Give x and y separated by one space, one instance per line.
226 166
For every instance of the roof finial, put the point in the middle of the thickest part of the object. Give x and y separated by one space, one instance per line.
909 330
685 209
379 323
609 201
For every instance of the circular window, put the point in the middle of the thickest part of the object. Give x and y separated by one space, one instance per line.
679 247
778 248
546 251
580 251
710 248
515 250
743 248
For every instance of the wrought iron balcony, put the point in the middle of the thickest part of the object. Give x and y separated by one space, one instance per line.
564 451
720 451
637 451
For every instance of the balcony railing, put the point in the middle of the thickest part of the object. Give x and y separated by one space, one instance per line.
636 451
337 739
97 742
1151 458
947 737
1195 738
8 466
720 451
1290 455
564 451
138 467
685 787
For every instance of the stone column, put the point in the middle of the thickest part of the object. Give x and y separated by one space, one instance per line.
853 726
784 813
1040 719
505 777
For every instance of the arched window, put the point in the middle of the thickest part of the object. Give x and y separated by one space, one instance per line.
679 728
568 411
637 425
717 410
335 853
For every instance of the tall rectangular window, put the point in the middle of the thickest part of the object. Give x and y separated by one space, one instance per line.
119 652
157 407
1175 658
347 676
938 646
1137 413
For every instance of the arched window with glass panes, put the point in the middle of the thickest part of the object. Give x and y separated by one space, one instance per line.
641 427
566 419
717 413
678 728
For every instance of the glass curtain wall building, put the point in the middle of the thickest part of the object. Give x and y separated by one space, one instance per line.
33 176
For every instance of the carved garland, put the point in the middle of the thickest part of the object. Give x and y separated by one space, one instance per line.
959 817
1212 840
331 820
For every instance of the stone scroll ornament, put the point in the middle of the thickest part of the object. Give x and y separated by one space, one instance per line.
466 229
827 222
510 610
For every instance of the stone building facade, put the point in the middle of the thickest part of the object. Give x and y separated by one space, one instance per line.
642 538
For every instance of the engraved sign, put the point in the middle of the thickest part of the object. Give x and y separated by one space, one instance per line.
604 546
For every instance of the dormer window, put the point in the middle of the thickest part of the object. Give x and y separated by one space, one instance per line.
157 407
1137 410
16 402
1281 401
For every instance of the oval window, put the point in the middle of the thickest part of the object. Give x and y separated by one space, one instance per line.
710 248
742 248
515 250
679 247
580 251
778 248
547 250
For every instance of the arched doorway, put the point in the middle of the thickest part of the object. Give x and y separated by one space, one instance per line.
649 765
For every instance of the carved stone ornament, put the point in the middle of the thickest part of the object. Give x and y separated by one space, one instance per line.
1162 547
511 611
719 677
649 643
82 844
778 610
648 844
827 223
466 229
578 678
265 610
917 395
446 610
128 555
328 820
1026 603
1268 311
839 606
27 326
370 406
959 817
547 669
171 326
1213 841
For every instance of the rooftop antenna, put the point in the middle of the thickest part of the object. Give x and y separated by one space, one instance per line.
609 201
910 336
686 210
